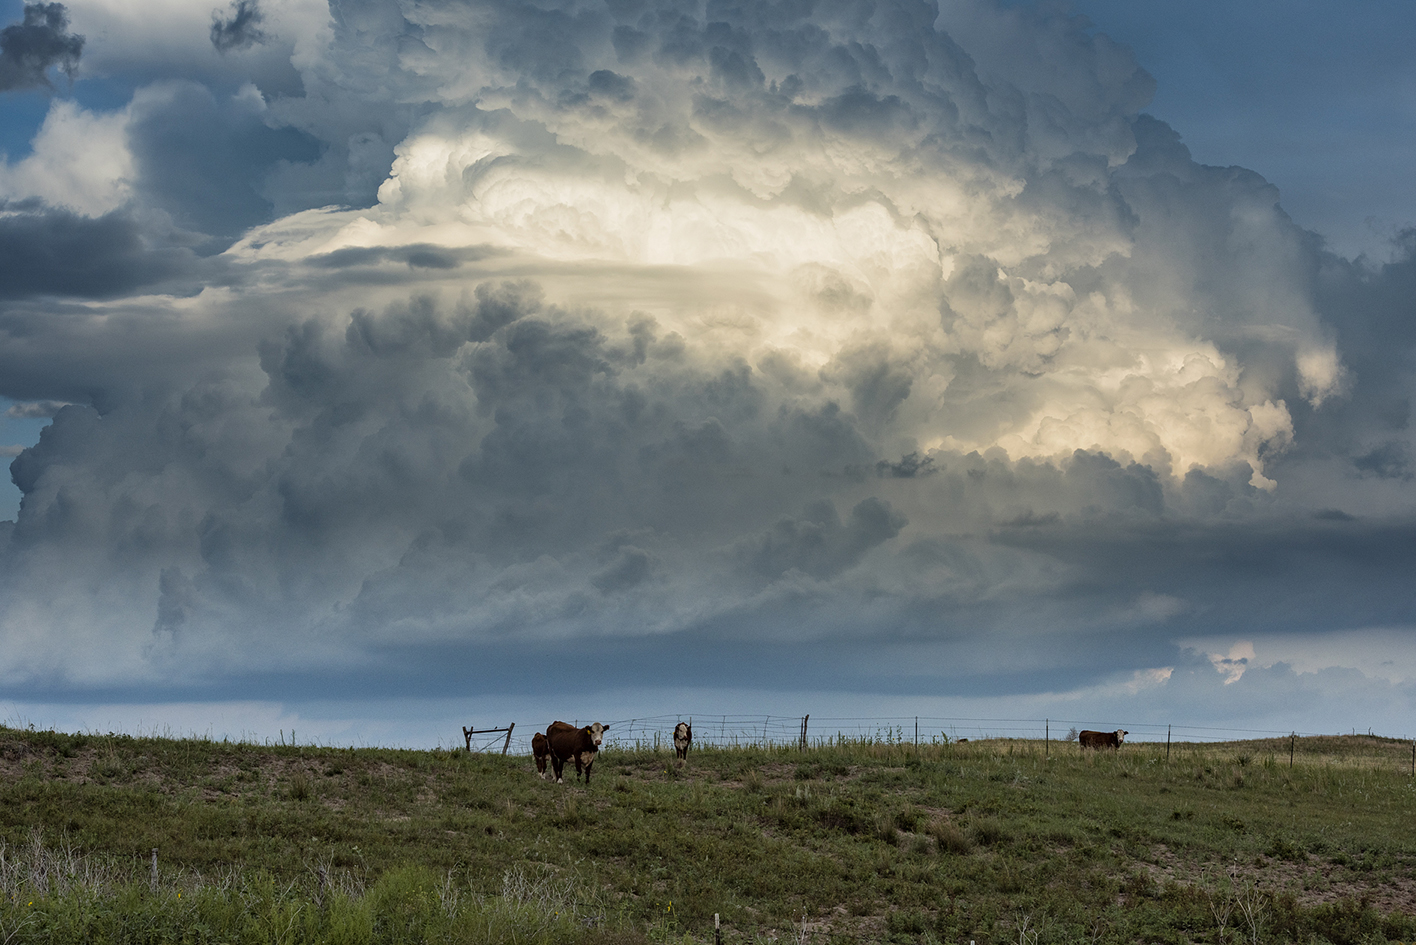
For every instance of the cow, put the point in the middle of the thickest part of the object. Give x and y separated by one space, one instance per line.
683 740
580 744
541 751
1099 740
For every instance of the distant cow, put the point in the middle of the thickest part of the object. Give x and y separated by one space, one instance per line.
683 740
570 743
1112 740
541 751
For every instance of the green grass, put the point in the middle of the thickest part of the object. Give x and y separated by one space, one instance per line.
990 841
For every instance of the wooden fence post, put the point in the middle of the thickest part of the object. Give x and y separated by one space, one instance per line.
467 737
1046 737
1292 742
802 745
1167 743
507 743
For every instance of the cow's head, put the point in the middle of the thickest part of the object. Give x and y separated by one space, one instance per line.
1121 734
595 732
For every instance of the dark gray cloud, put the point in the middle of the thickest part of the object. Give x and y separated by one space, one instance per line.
204 159
39 42
60 253
818 543
240 28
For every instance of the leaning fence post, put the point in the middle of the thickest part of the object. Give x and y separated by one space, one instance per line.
153 882
467 737
507 744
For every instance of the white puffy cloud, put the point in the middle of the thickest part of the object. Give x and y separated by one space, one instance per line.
79 161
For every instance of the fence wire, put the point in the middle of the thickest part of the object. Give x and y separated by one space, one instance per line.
756 731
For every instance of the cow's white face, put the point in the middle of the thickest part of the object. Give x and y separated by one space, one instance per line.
596 732
1121 734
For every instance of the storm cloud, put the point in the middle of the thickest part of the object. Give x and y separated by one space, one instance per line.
722 332
40 42
240 29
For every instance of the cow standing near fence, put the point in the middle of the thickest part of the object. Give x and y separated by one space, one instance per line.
683 740
578 744
1100 740
541 751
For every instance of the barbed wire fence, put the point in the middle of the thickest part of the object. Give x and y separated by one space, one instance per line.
768 731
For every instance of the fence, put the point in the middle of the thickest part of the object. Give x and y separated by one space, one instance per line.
741 731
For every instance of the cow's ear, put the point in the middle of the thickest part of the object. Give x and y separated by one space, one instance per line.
604 728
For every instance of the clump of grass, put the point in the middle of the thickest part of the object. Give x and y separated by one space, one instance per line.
300 786
987 831
950 838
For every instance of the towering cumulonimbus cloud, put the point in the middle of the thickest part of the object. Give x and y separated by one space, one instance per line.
747 323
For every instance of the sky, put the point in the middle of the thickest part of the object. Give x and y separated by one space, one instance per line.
371 369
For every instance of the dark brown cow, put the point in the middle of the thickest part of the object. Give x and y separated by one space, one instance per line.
581 744
683 740
1099 740
541 751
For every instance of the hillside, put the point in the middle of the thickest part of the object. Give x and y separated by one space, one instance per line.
990 841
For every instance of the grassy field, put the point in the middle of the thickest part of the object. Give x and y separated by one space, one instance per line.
989 841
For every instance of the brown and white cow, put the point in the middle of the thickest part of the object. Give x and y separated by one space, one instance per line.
541 751
570 743
683 740
1098 740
